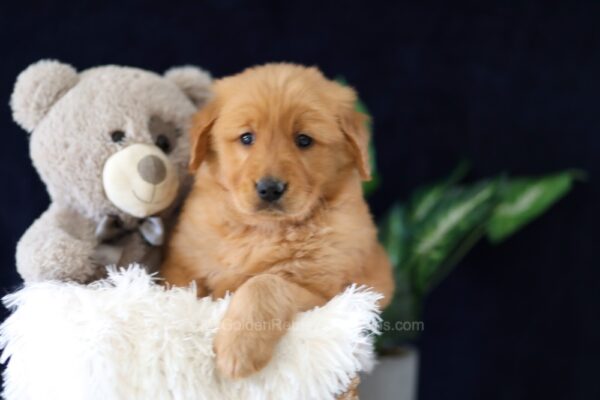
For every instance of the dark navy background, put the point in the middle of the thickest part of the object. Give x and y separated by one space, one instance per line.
511 86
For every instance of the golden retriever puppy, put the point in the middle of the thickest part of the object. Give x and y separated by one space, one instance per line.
276 214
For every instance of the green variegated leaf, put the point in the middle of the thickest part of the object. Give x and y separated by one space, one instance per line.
443 222
424 200
524 199
393 235
427 198
458 213
453 213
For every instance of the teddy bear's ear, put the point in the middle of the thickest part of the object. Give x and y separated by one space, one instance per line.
38 88
194 82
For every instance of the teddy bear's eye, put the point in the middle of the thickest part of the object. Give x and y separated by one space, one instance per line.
164 133
117 136
163 143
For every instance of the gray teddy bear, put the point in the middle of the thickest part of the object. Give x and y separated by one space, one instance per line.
110 144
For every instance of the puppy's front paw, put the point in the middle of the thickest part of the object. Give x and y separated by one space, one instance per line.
241 353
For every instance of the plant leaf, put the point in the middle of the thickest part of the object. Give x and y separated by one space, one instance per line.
424 200
393 234
523 200
456 215
427 198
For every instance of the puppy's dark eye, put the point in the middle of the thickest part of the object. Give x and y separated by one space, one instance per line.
163 143
117 136
247 139
303 141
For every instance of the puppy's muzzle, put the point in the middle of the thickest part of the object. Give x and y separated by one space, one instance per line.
270 189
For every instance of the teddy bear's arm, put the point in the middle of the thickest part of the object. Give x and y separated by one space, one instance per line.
58 245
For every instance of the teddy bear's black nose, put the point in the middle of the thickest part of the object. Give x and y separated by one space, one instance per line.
270 189
152 169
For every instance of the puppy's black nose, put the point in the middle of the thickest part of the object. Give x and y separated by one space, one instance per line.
270 189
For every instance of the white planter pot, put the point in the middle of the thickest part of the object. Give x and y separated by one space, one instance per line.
394 377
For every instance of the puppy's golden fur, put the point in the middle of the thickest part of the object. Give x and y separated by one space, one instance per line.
298 252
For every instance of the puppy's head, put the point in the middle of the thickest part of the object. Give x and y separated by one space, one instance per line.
281 138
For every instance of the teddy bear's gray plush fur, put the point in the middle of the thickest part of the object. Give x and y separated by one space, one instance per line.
80 120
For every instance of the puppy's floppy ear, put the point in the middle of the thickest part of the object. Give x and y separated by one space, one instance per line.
195 82
200 134
38 88
354 126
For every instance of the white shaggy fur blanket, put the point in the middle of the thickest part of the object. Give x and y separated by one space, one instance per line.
128 338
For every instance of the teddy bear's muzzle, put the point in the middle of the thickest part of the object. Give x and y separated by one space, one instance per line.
140 180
